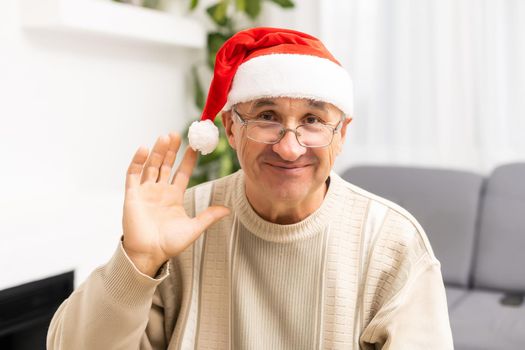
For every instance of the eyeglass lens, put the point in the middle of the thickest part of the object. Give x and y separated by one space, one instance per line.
307 135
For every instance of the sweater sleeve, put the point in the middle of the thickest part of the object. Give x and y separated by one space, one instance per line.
416 317
117 307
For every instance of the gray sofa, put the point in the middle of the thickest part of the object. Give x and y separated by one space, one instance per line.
476 226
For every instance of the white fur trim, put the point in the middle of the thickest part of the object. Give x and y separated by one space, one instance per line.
203 136
292 75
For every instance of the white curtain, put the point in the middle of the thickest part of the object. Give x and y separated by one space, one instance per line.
437 83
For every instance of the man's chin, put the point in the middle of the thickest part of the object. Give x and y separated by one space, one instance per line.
286 191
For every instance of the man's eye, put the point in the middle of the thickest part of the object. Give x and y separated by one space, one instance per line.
312 119
266 117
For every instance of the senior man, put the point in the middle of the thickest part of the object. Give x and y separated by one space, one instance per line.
283 254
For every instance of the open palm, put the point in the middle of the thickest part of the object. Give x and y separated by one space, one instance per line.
155 224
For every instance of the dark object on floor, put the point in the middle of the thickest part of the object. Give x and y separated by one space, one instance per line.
26 310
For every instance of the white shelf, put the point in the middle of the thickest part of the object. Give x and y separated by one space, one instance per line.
116 20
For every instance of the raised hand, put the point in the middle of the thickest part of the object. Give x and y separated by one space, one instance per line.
155 224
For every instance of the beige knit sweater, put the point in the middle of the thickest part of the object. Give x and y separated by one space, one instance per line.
358 273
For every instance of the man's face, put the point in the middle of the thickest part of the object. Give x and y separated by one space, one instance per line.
285 171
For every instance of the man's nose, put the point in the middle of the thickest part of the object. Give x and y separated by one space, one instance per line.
288 148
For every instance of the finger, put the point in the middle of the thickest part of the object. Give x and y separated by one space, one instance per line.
208 217
183 174
135 167
151 168
169 159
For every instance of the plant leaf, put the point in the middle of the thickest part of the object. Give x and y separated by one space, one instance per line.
253 8
152 4
284 3
197 179
197 88
209 158
217 12
226 165
215 41
240 5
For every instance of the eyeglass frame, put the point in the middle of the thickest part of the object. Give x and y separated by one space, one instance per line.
335 129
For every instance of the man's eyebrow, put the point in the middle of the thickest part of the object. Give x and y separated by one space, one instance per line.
262 103
318 105
311 103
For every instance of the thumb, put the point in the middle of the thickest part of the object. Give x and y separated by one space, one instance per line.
209 216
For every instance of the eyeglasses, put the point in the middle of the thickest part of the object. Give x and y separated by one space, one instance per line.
315 134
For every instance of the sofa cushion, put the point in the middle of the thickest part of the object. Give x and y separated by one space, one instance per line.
454 295
500 257
479 321
445 202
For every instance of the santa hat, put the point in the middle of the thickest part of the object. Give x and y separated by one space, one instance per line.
270 62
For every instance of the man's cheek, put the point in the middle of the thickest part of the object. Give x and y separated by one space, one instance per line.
242 151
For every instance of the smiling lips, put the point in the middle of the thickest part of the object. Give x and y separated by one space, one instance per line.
287 166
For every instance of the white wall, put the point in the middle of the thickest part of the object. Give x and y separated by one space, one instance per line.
73 110
304 16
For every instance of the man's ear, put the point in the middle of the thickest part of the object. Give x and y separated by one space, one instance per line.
227 121
343 128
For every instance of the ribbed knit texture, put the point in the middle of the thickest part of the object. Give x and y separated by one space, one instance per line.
358 271
261 306
123 272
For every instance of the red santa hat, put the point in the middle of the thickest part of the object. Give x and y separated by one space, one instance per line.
270 62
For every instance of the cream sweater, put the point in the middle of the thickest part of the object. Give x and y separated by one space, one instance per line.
358 273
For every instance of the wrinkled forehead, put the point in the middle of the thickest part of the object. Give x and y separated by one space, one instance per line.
288 103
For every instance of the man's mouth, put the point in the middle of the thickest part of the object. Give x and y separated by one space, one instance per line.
289 167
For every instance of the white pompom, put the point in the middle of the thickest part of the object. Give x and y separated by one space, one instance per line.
203 136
